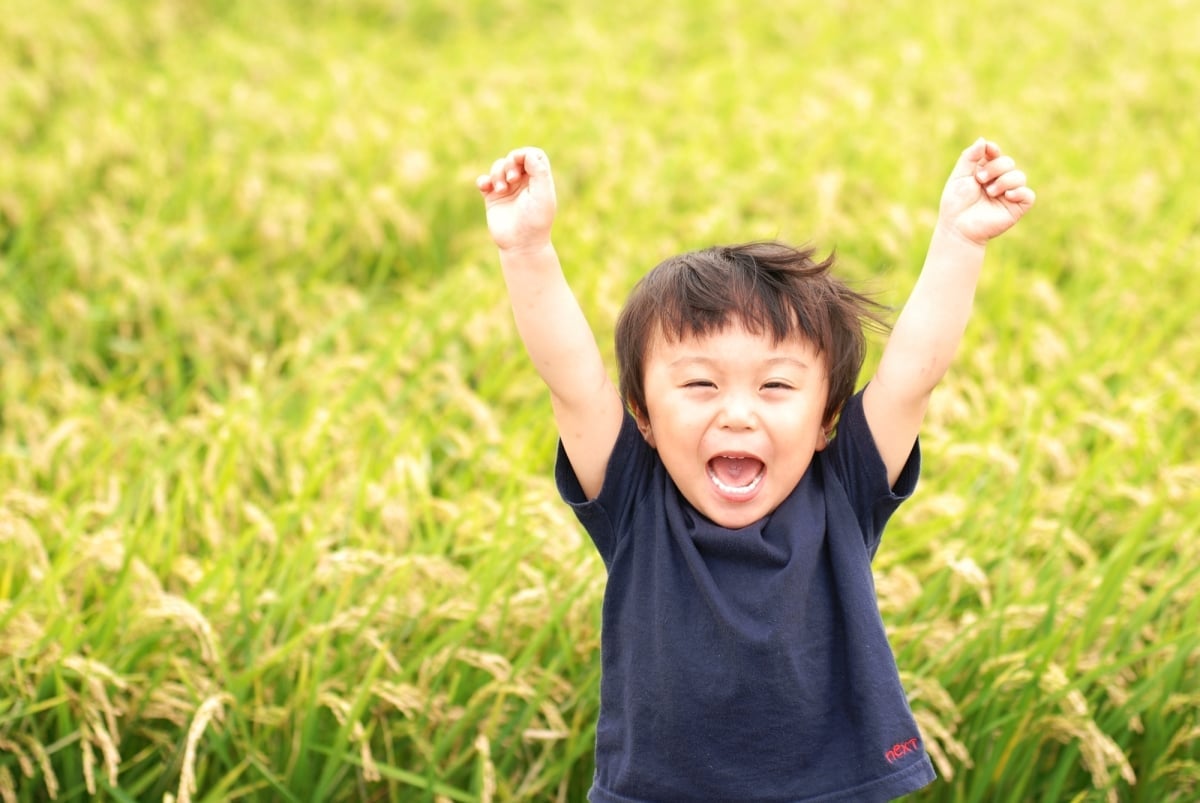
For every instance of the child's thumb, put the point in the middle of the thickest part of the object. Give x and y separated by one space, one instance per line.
537 164
970 158
537 167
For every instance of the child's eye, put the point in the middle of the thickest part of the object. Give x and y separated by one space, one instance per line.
699 383
777 386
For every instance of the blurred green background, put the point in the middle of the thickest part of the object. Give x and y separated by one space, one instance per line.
276 518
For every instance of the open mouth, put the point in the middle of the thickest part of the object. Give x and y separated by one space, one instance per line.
736 476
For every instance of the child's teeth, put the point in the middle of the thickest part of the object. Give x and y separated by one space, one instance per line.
736 475
736 489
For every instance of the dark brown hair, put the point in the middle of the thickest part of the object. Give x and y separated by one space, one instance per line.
767 287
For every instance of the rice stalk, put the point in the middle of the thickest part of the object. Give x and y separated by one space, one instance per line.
341 710
256 357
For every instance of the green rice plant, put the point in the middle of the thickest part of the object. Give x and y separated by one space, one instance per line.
276 511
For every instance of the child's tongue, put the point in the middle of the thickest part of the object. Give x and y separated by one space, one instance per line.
735 471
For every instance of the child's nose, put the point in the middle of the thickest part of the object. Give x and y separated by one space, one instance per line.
737 412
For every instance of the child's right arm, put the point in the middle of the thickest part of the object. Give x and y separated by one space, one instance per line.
520 199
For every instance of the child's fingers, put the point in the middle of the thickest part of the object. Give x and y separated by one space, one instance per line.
1009 180
516 160
497 174
995 167
1022 196
512 168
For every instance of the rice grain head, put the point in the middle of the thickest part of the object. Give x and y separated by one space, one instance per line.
969 570
1100 754
106 740
483 747
105 548
43 759
8 787
1054 682
22 634
89 759
16 528
404 697
23 760
944 750
169 701
99 727
211 710
173 608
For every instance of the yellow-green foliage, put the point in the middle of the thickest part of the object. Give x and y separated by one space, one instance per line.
276 515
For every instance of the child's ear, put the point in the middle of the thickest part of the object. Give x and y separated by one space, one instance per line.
643 425
827 428
823 438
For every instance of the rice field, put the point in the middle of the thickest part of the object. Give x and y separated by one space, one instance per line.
277 520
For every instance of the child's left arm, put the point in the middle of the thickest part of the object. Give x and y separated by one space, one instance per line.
985 195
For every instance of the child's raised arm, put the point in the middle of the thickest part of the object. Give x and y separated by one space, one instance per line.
520 199
985 195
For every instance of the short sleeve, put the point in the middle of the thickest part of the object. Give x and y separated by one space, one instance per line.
854 461
624 479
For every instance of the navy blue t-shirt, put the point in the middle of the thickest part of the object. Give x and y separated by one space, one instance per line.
749 664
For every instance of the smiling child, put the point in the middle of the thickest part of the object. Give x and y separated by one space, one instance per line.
736 488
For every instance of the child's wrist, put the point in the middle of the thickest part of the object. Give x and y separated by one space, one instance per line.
526 249
948 231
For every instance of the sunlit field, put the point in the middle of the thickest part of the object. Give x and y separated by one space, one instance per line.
277 520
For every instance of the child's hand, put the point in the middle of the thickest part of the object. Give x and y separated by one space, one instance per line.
519 194
986 194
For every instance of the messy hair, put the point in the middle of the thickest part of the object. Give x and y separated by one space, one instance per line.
766 287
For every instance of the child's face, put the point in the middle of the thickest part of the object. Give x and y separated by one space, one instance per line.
736 419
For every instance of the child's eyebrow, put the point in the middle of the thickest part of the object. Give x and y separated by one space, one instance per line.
709 362
798 363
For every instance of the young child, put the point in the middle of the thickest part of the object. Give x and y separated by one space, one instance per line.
743 656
